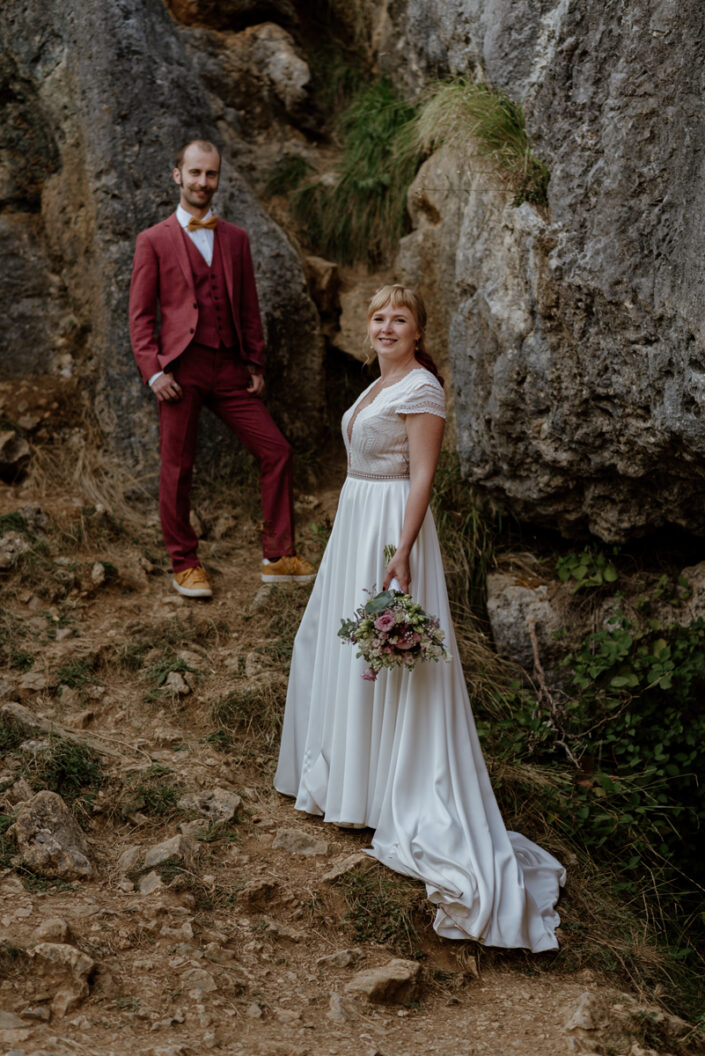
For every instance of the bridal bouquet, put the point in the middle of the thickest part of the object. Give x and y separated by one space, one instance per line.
392 630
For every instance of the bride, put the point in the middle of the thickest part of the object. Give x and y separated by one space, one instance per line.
401 754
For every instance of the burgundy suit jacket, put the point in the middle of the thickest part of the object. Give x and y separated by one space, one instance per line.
161 275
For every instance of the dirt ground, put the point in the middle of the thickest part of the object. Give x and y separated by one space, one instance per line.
242 946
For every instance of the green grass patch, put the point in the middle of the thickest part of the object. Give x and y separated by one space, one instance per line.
75 673
73 771
14 522
20 660
383 908
158 673
153 792
470 535
37 883
360 216
12 734
359 212
484 121
13 960
286 175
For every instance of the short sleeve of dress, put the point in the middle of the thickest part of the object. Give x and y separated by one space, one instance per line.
425 397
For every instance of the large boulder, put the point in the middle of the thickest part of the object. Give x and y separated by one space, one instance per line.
576 333
107 94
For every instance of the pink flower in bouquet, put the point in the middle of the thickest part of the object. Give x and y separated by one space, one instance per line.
408 641
369 675
385 622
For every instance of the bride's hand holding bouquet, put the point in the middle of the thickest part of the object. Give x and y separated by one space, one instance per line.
391 629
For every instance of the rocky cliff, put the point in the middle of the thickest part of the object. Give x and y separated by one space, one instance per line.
99 98
576 334
575 338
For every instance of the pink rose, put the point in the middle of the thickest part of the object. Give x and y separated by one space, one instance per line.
369 675
385 621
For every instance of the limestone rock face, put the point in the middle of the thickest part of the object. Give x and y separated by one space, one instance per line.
50 840
260 62
106 94
576 336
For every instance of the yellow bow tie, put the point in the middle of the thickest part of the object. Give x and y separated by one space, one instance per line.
210 224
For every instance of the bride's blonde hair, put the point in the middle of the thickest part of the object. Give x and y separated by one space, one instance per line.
404 297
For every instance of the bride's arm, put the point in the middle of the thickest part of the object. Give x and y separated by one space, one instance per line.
425 432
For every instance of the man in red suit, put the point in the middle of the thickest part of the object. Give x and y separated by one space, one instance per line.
208 350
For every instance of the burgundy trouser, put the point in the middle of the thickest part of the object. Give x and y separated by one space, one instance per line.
217 379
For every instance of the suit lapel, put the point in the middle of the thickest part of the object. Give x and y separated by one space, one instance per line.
177 241
222 245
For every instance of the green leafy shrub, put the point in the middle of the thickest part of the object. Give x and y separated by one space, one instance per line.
633 717
586 569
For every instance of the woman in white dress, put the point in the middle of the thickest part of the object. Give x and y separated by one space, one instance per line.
401 754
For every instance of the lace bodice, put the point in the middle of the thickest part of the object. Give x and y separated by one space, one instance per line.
375 438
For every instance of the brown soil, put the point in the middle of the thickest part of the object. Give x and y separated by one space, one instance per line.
254 918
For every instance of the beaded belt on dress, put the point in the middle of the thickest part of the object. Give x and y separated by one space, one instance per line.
376 476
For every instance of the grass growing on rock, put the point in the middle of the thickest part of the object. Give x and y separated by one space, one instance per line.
474 118
359 215
358 212
14 960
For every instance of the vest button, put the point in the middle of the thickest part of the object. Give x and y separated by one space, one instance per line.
191 330
195 305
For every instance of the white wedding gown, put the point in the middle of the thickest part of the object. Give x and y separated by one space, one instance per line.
401 755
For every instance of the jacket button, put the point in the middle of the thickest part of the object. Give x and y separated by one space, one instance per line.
195 305
191 330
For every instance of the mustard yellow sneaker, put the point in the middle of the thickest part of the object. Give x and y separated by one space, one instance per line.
193 583
287 570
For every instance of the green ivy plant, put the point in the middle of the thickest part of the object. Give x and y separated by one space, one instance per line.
586 569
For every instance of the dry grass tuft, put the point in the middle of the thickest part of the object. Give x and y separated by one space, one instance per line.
475 119
82 468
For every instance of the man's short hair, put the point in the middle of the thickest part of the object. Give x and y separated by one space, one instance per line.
202 144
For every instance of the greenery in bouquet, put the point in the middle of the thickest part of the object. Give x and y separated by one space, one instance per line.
392 630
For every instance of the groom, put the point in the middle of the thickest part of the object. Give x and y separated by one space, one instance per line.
194 272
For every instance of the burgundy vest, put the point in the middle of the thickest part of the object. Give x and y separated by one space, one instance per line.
215 321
